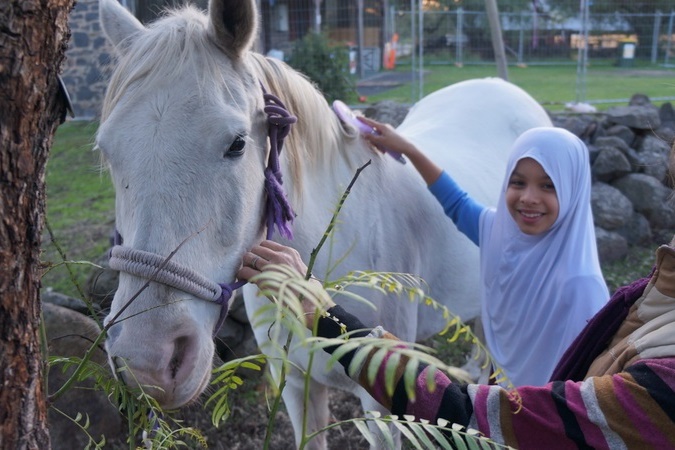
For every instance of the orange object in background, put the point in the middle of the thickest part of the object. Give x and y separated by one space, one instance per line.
389 57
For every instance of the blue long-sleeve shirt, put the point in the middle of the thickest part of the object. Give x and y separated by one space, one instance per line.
463 210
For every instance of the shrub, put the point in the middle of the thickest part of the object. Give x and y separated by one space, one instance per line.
325 63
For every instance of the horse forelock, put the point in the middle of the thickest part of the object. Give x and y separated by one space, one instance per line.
317 139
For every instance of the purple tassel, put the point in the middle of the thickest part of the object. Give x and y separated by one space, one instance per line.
279 212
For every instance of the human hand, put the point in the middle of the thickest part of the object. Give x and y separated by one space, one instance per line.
386 138
270 256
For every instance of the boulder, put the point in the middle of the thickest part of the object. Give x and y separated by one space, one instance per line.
71 334
611 209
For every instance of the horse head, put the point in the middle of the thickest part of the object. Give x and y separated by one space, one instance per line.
184 134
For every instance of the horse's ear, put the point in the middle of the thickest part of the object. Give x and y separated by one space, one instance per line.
117 22
234 24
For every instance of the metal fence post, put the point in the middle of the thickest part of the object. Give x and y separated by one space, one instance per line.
459 41
359 30
666 57
521 37
582 57
655 36
421 50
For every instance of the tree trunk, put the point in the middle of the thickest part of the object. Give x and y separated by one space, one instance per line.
33 39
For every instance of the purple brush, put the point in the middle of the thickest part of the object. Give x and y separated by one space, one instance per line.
347 116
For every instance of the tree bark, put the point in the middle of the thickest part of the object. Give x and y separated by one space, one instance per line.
33 39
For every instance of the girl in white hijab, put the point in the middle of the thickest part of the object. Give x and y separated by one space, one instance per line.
540 285
540 275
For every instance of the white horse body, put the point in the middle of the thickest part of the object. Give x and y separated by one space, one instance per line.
186 93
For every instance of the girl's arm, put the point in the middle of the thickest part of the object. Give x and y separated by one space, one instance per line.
390 139
462 209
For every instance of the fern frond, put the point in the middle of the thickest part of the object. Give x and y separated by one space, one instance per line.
226 377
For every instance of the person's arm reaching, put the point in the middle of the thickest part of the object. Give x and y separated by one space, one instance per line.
388 138
462 209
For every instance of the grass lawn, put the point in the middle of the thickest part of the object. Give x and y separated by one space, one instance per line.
80 205
553 85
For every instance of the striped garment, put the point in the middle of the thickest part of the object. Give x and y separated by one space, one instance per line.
626 401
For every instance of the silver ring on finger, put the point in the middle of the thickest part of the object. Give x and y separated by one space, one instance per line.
254 262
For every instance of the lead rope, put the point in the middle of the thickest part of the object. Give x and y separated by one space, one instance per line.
278 211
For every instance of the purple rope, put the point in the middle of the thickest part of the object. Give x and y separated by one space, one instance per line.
224 301
278 210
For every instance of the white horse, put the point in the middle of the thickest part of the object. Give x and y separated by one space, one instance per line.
185 135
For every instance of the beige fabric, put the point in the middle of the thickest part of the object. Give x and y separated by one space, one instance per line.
649 329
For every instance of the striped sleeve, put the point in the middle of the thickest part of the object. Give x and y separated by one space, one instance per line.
632 409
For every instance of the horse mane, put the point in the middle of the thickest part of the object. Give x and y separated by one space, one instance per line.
318 137
180 41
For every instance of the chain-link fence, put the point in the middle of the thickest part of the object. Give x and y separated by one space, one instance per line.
463 37
420 34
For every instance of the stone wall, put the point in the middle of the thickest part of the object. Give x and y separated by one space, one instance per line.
87 67
632 192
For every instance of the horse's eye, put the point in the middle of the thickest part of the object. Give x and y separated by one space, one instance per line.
237 147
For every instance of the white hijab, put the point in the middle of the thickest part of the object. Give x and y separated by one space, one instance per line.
539 291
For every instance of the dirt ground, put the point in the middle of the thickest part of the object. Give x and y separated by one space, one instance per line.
246 428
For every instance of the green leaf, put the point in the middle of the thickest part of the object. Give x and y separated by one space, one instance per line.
390 373
385 432
405 431
365 432
440 438
421 434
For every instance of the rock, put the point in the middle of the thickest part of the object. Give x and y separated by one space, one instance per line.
640 117
575 124
69 334
639 100
611 245
48 295
387 111
611 209
646 193
637 230
102 284
653 157
667 113
666 132
663 217
610 164
621 132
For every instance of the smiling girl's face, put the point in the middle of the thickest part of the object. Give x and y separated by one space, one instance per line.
531 197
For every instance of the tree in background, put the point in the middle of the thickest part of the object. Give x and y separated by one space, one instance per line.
33 39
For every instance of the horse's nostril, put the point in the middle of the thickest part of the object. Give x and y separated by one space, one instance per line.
178 357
